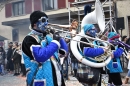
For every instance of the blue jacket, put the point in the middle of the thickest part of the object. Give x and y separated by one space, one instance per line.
114 65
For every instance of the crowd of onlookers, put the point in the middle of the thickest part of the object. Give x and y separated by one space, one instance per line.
11 61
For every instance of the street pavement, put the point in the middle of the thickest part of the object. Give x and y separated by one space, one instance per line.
10 80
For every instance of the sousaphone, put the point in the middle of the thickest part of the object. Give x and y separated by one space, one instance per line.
95 17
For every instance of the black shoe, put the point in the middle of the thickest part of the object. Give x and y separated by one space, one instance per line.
15 74
23 75
18 74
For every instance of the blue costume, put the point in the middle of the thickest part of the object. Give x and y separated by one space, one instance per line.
114 66
40 55
89 52
46 55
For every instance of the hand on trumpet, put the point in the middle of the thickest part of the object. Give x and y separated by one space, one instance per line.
106 49
112 56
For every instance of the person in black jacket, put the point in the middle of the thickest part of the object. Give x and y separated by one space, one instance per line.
16 58
2 60
9 65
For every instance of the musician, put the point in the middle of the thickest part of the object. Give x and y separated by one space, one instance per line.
40 53
114 66
89 52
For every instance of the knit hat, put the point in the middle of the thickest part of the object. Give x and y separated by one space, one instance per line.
88 27
113 35
35 16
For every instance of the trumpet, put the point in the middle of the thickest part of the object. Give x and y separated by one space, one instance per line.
103 59
88 37
61 26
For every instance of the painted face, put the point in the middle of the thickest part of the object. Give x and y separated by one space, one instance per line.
92 32
43 21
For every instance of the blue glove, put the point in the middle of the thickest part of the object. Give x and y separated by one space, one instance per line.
64 47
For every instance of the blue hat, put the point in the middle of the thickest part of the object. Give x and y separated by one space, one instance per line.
111 34
88 27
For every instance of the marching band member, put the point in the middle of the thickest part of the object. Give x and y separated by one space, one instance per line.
89 75
40 53
114 66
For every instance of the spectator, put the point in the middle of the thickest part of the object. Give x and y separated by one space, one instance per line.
2 60
124 39
9 65
16 58
128 56
23 70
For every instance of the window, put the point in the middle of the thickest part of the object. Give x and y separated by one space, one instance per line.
18 8
49 4
15 34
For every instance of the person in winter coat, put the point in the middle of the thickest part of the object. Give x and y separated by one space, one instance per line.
16 58
10 66
2 60
128 57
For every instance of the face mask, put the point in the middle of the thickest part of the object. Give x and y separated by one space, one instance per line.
92 32
42 23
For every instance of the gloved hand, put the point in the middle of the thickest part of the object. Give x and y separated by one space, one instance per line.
64 47
62 52
52 31
44 33
56 36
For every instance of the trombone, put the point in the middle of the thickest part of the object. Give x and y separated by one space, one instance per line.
81 35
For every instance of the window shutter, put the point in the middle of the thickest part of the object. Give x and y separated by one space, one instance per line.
8 10
61 4
71 0
28 6
37 5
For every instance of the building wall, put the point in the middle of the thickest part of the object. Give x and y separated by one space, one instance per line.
5 31
124 11
23 30
30 5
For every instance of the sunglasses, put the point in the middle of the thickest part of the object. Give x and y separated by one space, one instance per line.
43 19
